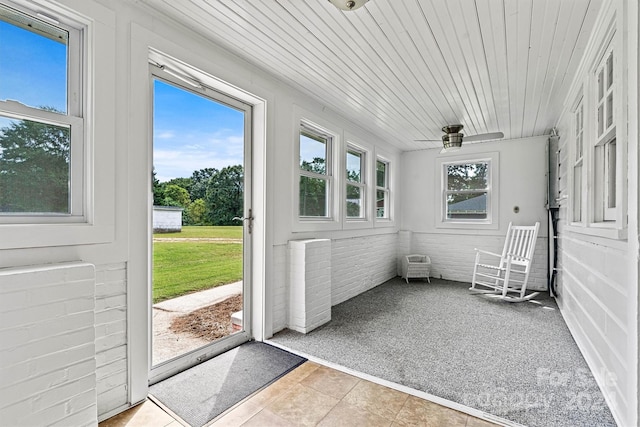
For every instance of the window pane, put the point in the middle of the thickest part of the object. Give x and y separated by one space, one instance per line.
577 193
467 176
579 114
609 110
611 174
600 85
381 174
467 206
354 166
355 202
34 62
581 118
580 145
600 120
313 197
381 204
610 70
313 153
34 167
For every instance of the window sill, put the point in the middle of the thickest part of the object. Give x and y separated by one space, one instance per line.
23 236
602 230
468 225
315 224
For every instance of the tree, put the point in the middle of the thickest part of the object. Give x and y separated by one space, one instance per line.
313 191
224 196
34 167
466 176
158 190
195 214
181 182
174 195
199 181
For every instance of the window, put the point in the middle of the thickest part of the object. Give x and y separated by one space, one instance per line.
315 173
605 159
41 119
382 189
466 195
355 186
578 160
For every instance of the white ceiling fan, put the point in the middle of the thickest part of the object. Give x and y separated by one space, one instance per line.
452 138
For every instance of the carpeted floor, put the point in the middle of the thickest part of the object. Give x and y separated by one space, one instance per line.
514 360
201 393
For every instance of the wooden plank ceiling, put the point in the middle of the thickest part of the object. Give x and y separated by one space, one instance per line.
406 68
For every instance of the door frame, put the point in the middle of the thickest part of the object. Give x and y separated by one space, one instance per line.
190 358
137 220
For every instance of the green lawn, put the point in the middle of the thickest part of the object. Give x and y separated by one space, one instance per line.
181 267
226 232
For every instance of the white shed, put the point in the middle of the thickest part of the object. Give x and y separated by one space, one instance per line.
167 219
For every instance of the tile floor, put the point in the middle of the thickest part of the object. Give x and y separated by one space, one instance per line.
315 395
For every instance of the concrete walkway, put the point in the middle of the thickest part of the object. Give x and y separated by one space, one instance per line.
190 302
166 343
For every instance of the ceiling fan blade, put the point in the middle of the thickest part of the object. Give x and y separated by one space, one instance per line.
483 137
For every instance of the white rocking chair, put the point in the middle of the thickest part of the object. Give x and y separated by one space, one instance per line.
509 273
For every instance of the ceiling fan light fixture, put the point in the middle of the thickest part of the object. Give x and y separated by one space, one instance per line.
452 144
348 4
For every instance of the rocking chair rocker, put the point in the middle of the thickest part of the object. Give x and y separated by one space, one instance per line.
509 273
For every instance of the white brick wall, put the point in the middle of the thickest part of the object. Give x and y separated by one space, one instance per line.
111 337
309 283
47 345
453 255
361 263
356 265
404 248
280 295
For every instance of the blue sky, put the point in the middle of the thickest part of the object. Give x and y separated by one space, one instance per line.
190 132
33 68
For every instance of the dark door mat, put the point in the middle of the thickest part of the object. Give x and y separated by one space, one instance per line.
203 392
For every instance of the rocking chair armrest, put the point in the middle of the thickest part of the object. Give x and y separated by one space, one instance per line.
518 257
487 252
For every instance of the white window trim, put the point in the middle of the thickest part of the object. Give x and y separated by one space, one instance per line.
607 30
353 143
578 162
601 141
98 25
385 157
73 119
332 220
492 222
362 185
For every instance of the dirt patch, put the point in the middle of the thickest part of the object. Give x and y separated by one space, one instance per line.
211 322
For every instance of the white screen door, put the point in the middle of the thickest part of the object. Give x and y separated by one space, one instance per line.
202 222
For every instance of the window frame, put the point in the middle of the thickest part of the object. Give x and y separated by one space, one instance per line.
603 88
386 189
329 176
607 37
492 221
362 185
98 25
578 167
74 119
